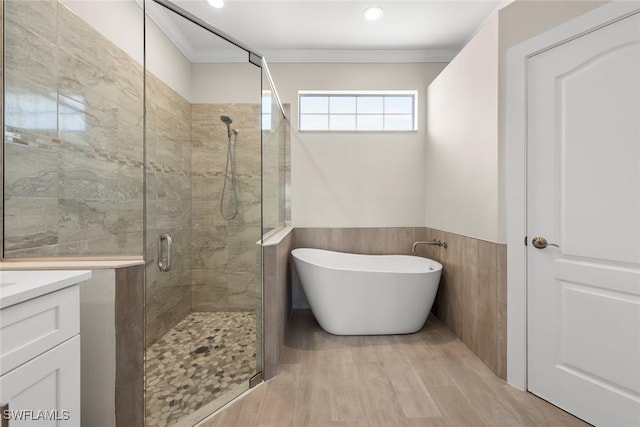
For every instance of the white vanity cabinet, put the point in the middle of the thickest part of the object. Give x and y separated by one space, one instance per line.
40 347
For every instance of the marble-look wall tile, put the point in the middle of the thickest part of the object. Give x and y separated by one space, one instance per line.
276 175
79 39
129 222
31 172
172 304
83 178
88 125
30 222
129 78
30 79
74 136
79 79
168 187
86 219
285 146
2 15
37 16
224 264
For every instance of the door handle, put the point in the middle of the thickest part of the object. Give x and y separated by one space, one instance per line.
541 243
162 265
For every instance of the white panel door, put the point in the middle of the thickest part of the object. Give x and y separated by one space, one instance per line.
583 194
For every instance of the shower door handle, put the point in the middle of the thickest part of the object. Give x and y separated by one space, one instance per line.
162 265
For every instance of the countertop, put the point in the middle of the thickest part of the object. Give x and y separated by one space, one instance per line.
19 286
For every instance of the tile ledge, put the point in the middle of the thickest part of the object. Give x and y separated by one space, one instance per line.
69 264
276 236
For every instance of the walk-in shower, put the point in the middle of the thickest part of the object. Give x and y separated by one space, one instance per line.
113 148
230 173
204 159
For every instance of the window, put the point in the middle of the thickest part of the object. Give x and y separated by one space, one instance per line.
358 111
266 110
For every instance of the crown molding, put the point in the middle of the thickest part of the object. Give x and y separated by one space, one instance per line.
160 16
359 55
326 55
203 56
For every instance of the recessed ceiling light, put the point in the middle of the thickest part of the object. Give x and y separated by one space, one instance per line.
373 13
216 3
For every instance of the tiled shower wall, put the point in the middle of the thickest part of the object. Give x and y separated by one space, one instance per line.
2 112
168 151
74 137
224 267
276 171
471 298
74 166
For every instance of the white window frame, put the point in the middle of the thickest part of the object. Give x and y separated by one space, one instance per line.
356 93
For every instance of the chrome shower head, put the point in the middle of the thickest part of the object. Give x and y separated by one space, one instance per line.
226 120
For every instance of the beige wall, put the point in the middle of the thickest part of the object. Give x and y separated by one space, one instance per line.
234 83
167 62
350 179
520 21
465 178
461 161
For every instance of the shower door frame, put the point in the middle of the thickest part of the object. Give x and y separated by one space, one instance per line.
257 60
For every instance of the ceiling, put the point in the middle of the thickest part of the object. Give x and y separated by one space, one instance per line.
328 30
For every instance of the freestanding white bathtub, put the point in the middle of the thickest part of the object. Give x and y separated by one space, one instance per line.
353 294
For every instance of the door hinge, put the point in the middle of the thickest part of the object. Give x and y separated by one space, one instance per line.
255 380
525 240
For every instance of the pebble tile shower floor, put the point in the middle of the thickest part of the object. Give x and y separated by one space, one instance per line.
197 361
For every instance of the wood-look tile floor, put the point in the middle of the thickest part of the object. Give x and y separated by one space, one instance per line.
426 379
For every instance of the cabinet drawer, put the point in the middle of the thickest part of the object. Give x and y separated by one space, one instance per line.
30 328
46 388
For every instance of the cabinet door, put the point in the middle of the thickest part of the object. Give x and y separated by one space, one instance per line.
46 390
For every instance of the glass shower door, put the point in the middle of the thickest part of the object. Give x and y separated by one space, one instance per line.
203 219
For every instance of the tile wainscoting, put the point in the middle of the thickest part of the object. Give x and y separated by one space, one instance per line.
471 298
129 317
277 297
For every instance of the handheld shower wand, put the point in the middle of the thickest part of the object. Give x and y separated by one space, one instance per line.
227 121
231 164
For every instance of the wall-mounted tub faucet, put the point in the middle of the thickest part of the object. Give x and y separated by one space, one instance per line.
434 242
